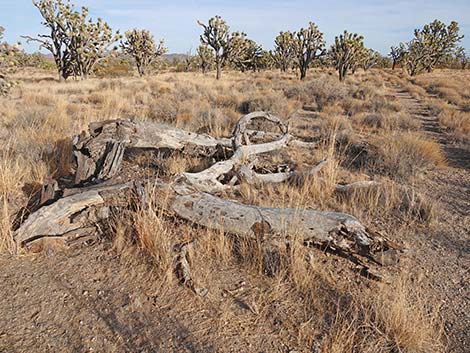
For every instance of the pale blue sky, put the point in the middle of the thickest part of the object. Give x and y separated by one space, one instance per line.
383 23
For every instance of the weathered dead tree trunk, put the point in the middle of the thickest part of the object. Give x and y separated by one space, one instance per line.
99 154
99 150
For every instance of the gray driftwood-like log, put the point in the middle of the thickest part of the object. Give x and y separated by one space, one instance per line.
334 230
99 154
99 151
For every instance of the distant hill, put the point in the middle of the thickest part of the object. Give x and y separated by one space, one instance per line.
174 56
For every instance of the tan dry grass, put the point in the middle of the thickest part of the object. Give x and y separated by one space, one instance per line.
403 155
46 114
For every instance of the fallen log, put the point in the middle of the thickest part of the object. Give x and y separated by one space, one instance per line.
99 154
333 230
99 151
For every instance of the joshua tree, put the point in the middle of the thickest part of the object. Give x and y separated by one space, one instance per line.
439 41
246 54
140 44
75 42
431 46
461 58
283 54
265 61
228 48
397 54
205 57
415 57
370 58
346 52
216 35
308 45
7 55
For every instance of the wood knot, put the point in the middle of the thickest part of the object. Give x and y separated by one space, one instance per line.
261 228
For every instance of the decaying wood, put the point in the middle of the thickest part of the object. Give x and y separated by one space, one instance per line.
357 186
245 151
335 230
69 214
99 153
183 270
76 236
99 150
251 177
49 190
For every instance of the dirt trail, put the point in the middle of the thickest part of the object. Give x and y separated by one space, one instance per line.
443 252
458 155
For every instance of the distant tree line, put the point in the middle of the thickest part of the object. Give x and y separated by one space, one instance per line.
80 46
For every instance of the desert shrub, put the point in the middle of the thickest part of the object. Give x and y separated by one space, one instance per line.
326 91
36 60
164 109
365 92
387 121
449 94
271 101
114 67
404 154
225 99
185 91
322 91
415 91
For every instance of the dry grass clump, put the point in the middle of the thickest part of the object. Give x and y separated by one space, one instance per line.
415 91
20 179
402 155
147 230
458 122
445 88
448 85
404 315
11 175
395 317
270 101
324 91
387 121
